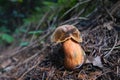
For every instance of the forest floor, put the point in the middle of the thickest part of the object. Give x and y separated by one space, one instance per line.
42 60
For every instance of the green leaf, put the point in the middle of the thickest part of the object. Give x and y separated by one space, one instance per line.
35 32
4 29
48 3
20 1
23 44
6 37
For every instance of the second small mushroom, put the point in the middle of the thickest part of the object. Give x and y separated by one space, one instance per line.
70 37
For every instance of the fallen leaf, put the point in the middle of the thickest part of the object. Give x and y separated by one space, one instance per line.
97 61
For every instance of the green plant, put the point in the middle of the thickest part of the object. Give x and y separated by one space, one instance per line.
23 44
6 38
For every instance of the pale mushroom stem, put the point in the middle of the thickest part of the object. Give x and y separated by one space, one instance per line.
74 55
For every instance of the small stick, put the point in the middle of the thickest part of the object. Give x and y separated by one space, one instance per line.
21 78
112 47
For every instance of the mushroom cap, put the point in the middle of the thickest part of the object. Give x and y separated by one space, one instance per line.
65 32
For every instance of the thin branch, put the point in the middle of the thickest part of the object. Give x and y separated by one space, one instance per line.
107 11
30 45
32 57
39 61
115 7
73 19
39 24
74 7
106 56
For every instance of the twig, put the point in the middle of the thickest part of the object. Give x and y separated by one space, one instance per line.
106 56
115 7
107 11
21 78
25 34
39 24
18 51
72 19
104 73
32 57
74 7
117 71
51 73
106 49
43 76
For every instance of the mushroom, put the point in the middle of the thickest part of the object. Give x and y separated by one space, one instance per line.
70 37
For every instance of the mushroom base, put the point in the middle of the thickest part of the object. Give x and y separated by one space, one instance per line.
74 54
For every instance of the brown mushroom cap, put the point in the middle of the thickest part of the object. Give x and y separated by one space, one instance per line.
64 32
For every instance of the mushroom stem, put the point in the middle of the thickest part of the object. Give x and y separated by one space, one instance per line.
74 54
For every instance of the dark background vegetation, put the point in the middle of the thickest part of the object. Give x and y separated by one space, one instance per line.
15 15
26 52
